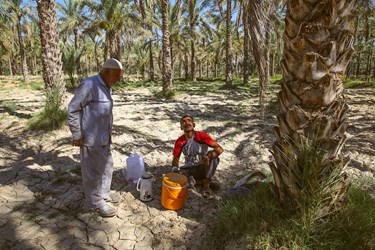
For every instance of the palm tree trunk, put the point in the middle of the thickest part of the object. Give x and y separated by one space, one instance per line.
358 66
113 40
228 47
51 54
118 46
272 64
180 68
142 10
367 37
167 68
96 56
312 117
351 68
368 65
266 51
246 48
172 61
25 71
192 62
76 46
217 64
105 51
151 67
192 44
186 64
257 15
10 66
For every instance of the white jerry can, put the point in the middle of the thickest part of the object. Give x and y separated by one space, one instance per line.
135 168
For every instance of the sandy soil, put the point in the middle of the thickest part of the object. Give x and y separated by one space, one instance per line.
31 161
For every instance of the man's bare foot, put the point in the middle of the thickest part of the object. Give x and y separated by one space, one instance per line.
206 188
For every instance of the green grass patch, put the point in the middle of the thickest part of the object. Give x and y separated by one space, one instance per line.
132 85
351 83
37 85
48 120
52 116
261 223
167 94
276 78
34 84
10 107
201 86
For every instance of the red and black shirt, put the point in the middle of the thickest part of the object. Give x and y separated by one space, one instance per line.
199 137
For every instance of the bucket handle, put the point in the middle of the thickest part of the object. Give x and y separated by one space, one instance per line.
138 182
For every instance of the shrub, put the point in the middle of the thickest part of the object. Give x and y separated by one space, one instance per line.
52 117
261 223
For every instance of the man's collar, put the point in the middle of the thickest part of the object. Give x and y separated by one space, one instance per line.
102 81
191 135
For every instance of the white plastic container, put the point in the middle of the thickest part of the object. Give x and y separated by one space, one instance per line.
135 168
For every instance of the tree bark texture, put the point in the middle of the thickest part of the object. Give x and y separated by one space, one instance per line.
246 47
318 44
25 71
192 44
51 54
228 47
167 67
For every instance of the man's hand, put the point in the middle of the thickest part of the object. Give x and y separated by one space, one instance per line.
77 143
206 160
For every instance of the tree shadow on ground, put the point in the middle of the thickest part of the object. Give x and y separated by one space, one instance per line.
44 190
53 198
20 109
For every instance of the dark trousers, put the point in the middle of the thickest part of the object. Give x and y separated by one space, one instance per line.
201 172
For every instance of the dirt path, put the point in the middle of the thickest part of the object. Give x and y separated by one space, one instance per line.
42 204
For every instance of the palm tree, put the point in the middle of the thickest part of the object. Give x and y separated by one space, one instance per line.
167 67
32 44
19 10
246 43
312 117
95 36
110 16
193 10
228 47
192 22
51 54
258 28
363 42
147 10
72 20
6 41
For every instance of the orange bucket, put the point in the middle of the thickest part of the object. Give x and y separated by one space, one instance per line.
173 191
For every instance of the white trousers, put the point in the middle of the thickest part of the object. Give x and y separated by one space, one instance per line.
97 170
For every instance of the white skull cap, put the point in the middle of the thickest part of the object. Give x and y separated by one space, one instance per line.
112 63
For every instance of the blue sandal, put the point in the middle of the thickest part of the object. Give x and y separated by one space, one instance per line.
106 211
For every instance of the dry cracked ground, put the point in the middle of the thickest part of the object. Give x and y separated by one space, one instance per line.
42 204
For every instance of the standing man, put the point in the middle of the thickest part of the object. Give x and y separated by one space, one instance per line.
200 163
90 120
